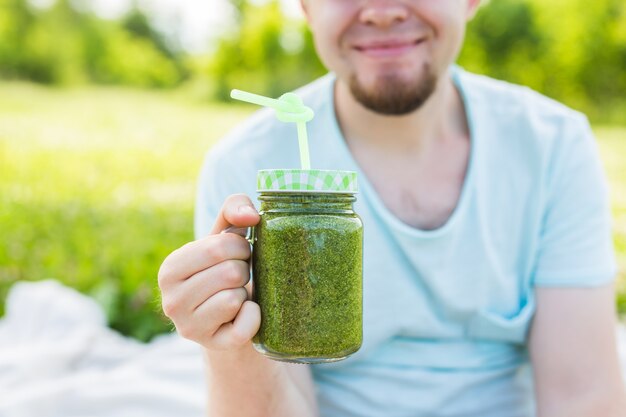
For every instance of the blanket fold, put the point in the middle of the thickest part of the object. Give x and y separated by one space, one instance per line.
58 358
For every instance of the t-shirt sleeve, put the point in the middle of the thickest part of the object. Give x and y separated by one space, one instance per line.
219 177
575 244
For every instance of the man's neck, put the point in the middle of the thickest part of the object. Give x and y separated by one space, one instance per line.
441 117
417 163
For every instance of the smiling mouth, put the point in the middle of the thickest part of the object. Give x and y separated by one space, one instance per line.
389 48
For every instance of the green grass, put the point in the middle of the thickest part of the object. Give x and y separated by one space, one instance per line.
97 187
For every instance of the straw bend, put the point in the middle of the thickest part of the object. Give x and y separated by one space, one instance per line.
289 108
297 112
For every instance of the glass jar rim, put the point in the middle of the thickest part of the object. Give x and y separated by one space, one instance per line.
307 180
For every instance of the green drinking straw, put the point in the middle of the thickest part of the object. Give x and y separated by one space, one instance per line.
290 109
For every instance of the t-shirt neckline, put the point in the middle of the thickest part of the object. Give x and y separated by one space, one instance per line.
368 191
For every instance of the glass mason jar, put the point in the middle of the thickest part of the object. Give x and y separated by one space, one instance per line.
307 270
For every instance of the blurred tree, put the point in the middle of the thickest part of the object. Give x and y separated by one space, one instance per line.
602 69
267 54
62 45
16 17
137 23
572 50
503 41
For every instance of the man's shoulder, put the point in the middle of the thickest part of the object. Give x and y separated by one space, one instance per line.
513 102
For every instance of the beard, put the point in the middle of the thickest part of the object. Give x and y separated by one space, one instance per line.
393 96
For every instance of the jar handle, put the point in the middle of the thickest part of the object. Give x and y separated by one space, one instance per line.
249 234
246 232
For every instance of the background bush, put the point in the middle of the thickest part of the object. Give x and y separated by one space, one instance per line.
571 50
61 45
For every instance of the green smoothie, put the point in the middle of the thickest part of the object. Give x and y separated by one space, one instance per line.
307 276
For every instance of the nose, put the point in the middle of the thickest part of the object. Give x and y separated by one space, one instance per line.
383 13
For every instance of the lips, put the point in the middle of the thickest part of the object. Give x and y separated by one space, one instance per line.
382 48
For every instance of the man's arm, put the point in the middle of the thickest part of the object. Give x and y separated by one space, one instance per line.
574 356
245 383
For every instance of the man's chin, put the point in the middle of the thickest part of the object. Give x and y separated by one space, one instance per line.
393 96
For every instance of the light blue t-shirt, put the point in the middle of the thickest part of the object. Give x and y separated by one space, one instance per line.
447 311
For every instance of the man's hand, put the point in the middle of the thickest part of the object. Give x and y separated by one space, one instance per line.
573 352
203 283
206 293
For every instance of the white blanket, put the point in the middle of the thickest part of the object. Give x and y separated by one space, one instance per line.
59 359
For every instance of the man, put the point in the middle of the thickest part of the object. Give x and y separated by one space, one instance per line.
488 264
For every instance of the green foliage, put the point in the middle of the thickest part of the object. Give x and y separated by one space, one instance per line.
130 60
61 45
572 50
268 54
503 40
98 201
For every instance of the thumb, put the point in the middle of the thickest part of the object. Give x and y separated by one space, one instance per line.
237 211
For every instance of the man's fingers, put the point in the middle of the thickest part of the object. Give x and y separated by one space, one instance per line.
241 231
205 283
241 330
202 254
236 211
221 308
225 275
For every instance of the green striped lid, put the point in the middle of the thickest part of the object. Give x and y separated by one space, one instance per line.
306 180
